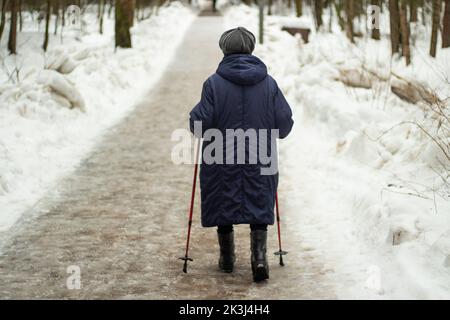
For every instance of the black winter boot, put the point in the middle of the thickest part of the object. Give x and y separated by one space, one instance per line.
227 257
258 245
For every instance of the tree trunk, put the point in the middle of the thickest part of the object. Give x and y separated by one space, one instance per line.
261 21
318 13
149 4
102 14
376 31
130 11
405 31
111 5
435 26
63 13
341 20
3 18
358 8
413 10
13 29
56 11
394 19
446 27
330 12
298 7
47 23
20 15
269 7
122 23
349 6
137 9
423 13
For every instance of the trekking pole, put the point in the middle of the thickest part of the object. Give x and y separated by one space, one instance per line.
280 252
191 209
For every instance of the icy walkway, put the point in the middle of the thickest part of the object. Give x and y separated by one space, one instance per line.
121 217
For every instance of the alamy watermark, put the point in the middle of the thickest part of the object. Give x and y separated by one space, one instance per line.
373 17
73 282
73 16
234 146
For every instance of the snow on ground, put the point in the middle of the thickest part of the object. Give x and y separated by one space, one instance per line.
49 120
377 210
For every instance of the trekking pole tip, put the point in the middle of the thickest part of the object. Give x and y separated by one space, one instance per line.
185 259
280 253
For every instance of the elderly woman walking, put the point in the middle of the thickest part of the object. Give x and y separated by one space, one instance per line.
240 96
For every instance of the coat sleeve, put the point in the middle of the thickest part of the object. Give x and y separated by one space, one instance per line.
283 114
204 110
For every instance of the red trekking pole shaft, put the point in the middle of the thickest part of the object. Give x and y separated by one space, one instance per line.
280 252
191 209
278 220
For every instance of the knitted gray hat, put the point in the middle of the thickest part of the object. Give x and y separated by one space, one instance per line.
237 40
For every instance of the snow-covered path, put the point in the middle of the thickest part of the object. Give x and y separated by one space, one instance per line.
121 216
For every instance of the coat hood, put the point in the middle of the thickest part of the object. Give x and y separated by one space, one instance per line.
242 69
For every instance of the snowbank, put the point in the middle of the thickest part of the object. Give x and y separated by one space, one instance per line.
62 101
368 193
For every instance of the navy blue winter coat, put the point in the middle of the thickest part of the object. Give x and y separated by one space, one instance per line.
240 95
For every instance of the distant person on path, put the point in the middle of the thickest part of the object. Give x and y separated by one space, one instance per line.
240 95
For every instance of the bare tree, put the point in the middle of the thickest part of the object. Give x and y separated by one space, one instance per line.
12 41
358 7
63 13
137 9
330 4
404 24
376 29
102 13
423 12
3 18
318 13
122 23
446 26
349 7
111 5
394 19
413 10
338 7
298 8
435 26
130 11
20 15
56 12
47 24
